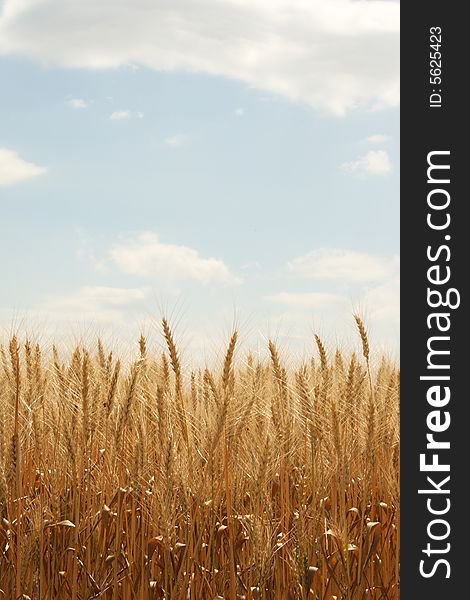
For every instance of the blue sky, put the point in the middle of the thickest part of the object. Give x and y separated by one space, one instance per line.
209 173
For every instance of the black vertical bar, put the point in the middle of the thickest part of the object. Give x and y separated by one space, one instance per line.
433 119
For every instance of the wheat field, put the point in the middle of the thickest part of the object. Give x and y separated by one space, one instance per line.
145 479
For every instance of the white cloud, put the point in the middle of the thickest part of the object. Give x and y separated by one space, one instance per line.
146 256
377 138
306 300
350 282
342 265
100 303
125 115
120 115
175 141
13 169
78 103
374 162
239 112
334 55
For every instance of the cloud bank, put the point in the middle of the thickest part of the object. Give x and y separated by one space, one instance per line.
96 304
342 265
147 256
334 56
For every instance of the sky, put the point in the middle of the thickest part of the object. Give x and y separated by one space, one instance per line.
221 161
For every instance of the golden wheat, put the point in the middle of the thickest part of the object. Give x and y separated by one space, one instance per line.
256 479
